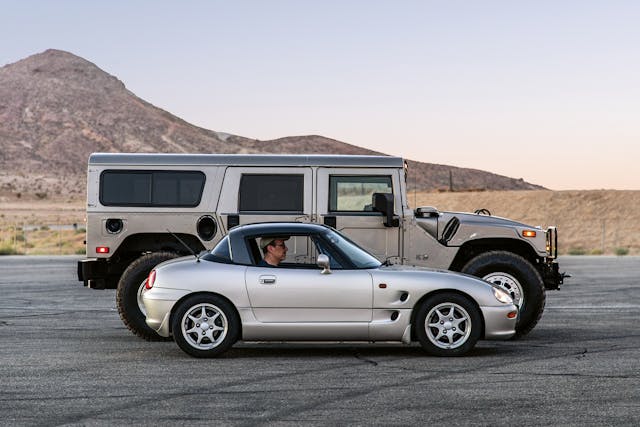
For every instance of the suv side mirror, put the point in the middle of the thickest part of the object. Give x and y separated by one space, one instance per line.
383 202
323 263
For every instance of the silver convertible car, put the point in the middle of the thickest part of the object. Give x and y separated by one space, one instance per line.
324 288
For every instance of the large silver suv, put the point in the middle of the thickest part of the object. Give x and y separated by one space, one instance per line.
143 209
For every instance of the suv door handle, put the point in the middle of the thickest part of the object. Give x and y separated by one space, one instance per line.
267 280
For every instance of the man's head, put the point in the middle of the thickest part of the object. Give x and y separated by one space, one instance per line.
274 249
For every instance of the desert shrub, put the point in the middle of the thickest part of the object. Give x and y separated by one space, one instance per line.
7 249
45 228
19 237
81 230
596 252
81 251
577 251
621 251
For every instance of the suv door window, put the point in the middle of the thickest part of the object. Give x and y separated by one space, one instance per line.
353 193
344 202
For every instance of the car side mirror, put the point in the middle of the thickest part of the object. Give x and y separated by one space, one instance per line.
383 202
323 263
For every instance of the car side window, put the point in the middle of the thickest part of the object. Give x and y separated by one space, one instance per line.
299 252
322 247
354 193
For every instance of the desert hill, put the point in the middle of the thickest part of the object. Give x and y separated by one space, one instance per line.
57 108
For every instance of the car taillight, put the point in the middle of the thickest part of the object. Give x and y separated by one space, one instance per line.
150 280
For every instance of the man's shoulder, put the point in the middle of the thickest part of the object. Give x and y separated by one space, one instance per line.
263 263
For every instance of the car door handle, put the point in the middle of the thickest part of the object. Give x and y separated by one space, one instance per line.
267 280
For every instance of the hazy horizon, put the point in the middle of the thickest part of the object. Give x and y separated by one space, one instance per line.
543 91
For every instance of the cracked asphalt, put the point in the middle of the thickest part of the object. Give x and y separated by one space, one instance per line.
66 359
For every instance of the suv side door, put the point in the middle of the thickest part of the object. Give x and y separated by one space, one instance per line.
267 194
344 201
263 194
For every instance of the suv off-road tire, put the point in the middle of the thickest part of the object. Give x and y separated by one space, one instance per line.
129 285
528 278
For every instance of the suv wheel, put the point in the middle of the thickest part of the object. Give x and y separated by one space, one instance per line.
516 276
129 294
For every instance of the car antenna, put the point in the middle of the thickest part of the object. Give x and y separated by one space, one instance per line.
185 245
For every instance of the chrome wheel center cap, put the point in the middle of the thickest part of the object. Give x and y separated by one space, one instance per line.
204 326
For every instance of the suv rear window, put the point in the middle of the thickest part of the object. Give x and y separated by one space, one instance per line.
271 193
151 188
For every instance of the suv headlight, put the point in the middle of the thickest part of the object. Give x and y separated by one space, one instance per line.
502 296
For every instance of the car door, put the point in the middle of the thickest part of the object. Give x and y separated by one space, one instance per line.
344 202
292 295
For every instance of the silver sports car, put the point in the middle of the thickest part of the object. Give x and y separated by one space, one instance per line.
324 288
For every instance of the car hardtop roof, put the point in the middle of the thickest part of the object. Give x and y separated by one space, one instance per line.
278 228
163 159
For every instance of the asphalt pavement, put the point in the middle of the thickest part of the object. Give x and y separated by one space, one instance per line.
67 359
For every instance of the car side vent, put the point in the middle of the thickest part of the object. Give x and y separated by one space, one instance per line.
206 227
450 230
394 315
404 296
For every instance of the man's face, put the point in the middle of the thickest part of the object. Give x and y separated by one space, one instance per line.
278 250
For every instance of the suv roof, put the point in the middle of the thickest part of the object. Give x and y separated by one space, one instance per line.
243 160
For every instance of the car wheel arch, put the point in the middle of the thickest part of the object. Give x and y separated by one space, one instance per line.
423 298
189 295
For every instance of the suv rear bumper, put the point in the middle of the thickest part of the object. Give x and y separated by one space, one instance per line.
93 272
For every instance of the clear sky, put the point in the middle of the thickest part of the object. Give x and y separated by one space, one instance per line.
547 91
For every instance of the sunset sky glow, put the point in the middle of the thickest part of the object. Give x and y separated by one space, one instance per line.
547 91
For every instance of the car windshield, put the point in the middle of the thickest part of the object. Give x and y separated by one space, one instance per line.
358 256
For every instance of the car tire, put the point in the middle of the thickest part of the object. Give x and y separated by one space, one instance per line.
448 324
205 325
129 294
519 278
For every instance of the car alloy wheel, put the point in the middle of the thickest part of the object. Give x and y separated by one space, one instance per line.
448 325
204 326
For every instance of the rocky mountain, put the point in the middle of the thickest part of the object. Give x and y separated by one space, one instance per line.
57 108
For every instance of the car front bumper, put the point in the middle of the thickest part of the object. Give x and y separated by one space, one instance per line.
497 324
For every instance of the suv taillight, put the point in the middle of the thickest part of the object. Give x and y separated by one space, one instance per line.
150 280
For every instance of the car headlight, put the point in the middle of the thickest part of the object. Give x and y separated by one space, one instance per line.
502 296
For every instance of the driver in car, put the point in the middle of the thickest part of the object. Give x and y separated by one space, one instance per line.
274 251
